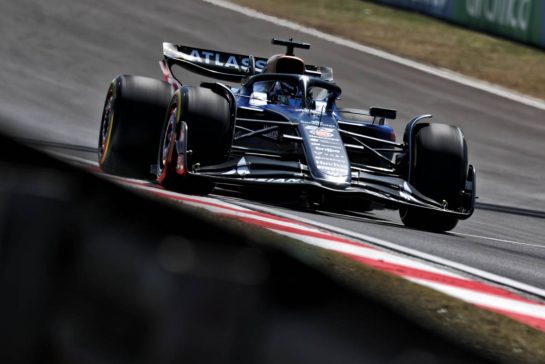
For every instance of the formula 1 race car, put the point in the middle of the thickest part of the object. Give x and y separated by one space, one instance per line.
280 128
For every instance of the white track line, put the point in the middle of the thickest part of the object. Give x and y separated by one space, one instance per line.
391 223
439 72
501 240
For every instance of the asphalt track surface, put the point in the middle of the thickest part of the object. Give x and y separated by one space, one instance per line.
58 57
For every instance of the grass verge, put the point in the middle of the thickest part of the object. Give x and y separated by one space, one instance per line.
497 337
419 37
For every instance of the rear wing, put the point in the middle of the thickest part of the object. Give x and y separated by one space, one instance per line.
226 66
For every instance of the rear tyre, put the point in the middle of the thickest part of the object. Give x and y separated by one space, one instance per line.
208 119
132 118
439 171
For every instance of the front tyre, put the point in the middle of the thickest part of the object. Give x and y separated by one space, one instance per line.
439 171
198 120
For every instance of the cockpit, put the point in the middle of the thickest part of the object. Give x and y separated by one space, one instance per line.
289 92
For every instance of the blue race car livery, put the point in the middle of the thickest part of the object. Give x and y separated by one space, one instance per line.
279 128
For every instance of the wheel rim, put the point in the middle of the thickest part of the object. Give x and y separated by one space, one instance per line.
106 126
169 139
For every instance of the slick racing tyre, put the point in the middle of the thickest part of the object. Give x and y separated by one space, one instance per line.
206 118
439 171
132 119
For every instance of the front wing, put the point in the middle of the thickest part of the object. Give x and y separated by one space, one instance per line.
393 192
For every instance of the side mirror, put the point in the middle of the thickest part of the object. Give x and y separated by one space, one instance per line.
378 112
258 99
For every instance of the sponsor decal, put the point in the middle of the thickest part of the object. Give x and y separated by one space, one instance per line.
522 20
221 59
323 133
275 180
320 132
328 155
272 134
514 14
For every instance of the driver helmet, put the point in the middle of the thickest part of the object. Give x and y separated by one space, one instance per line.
281 63
285 93
280 91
